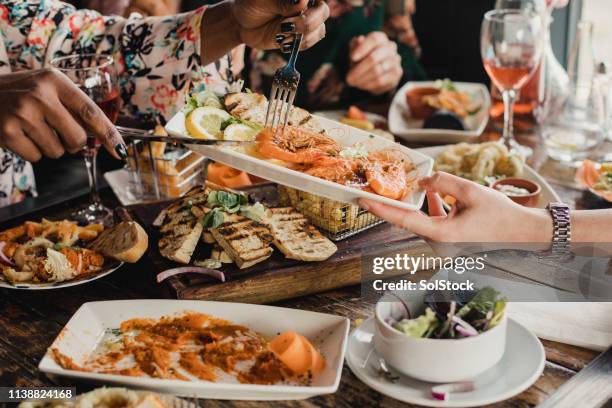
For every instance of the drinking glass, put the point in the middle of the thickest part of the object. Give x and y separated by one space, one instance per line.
577 129
511 42
96 75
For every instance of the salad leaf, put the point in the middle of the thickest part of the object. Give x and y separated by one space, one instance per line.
234 120
213 219
199 99
421 326
256 212
484 301
446 84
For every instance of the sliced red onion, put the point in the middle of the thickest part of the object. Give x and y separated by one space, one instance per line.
443 391
162 276
3 258
464 327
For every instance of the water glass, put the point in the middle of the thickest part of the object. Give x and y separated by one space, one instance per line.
577 128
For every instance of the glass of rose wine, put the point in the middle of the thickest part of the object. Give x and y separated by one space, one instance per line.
511 43
96 75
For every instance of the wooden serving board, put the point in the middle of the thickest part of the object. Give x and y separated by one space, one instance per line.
278 278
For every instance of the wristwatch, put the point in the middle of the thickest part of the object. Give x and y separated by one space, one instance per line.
562 229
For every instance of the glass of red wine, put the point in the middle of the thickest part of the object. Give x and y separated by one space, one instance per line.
96 75
511 42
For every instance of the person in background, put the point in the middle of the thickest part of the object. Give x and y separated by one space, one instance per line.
364 56
44 114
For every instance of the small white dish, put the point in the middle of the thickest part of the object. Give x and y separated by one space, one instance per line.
81 336
59 285
411 130
118 181
521 366
547 195
434 360
345 135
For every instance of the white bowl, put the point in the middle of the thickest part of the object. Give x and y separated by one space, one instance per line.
434 360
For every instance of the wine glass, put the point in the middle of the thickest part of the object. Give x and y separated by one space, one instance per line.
511 42
96 75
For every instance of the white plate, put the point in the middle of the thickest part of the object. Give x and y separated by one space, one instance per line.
119 181
343 134
84 330
519 368
403 127
547 195
59 285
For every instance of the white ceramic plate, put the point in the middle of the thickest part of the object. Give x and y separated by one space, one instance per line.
345 135
409 129
58 285
520 367
119 180
85 329
548 195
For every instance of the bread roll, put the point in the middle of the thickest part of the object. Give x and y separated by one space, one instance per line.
126 242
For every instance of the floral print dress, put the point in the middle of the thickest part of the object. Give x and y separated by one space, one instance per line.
158 58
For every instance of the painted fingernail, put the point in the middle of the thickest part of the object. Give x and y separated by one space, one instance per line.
295 1
287 27
279 38
121 151
286 47
311 3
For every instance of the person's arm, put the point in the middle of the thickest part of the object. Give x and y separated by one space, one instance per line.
484 215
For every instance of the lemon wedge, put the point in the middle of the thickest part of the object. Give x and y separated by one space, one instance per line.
239 132
205 122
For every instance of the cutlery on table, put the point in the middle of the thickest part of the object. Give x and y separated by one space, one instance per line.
147 135
589 388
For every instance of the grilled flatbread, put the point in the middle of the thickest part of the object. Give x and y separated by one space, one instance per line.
244 240
181 228
253 107
295 237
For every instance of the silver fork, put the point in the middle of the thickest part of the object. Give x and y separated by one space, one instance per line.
284 87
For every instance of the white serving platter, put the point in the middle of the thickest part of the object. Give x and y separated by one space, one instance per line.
81 336
547 195
343 134
411 130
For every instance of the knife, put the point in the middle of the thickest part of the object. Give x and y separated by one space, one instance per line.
589 388
147 135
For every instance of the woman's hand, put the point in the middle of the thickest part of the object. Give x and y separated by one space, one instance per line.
377 67
480 214
262 24
44 114
152 7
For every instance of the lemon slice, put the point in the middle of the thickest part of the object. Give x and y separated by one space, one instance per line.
205 122
239 132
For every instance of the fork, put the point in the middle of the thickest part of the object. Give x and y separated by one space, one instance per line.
284 87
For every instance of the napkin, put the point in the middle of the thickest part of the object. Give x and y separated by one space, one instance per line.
584 324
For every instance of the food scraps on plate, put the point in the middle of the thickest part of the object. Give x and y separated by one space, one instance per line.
196 346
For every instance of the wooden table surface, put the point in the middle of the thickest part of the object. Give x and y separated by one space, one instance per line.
30 320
